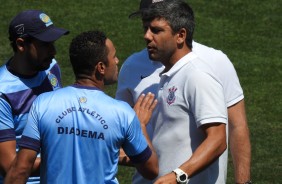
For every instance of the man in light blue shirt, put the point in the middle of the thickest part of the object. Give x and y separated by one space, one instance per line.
78 129
31 70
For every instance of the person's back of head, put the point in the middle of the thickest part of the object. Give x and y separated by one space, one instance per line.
86 50
177 13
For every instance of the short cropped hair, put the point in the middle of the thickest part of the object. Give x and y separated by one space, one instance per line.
86 50
177 13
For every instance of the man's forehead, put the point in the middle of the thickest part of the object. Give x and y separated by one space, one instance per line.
110 45
159 22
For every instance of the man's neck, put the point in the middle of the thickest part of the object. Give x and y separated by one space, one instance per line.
90 82
175 58
19 66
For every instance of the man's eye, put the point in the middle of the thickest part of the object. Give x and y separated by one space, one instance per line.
155 31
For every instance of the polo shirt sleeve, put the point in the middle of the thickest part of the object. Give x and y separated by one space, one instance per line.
207 99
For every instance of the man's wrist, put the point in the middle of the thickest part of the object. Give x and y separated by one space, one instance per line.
181 176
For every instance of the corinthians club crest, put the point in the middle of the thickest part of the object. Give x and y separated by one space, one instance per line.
171 96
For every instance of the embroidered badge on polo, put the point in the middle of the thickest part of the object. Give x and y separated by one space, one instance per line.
53 81
171 96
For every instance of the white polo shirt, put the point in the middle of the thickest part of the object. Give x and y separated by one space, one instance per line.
189 96
133 81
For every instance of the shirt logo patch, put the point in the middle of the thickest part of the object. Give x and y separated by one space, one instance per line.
53 81
171 96
82 99
46 19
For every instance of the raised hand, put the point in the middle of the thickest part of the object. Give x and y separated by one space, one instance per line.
144 107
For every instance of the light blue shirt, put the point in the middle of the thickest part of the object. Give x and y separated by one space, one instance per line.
16 96
80 131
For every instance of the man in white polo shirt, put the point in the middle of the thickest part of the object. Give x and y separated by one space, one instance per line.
190 123
133 82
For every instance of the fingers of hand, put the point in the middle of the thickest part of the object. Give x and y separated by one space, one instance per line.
145 102
149 101
138 103
153 105
140 100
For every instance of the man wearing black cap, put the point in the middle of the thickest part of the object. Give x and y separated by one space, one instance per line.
132 82
31 71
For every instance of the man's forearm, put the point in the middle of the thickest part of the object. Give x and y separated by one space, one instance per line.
239 140
211 148
240 148
7 155
16 179
15 175
36 167
21 167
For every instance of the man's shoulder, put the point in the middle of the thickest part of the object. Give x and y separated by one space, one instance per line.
8 81
140 61
212 56
137 58
201 48
3 72
138 66
53 66
56 95
88 96
122 105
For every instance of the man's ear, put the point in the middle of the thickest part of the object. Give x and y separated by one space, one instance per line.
101 67
181 36
20 44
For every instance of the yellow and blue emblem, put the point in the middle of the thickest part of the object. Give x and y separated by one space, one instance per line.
46 19
82 99
53 81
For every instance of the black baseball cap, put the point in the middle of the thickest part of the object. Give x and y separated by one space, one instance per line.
144 4
35 23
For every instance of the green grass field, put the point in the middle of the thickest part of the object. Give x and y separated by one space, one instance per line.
249 32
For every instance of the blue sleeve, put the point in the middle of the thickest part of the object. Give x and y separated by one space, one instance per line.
30 143
142 157
7 131
31 137
135 145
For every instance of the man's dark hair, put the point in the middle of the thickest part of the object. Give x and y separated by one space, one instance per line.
177 13
86 50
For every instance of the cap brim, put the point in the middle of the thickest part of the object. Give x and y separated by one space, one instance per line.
135 14
51 34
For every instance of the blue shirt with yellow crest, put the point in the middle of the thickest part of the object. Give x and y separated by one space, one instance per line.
16 96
